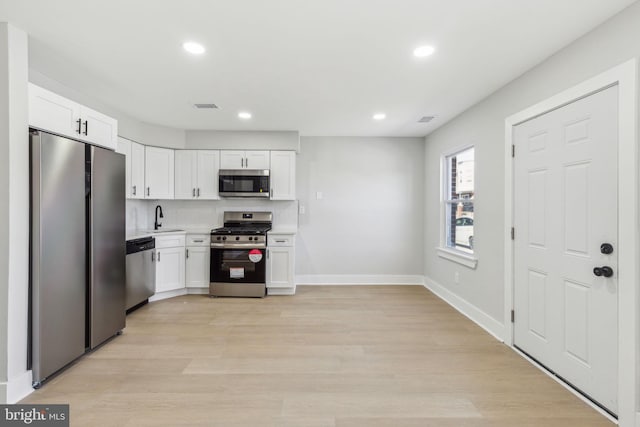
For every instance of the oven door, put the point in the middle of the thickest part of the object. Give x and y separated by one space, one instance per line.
241 265
243 183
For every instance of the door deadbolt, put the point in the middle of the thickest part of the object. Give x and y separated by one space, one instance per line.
606 248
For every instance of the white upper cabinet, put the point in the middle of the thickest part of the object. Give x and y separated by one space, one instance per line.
98 128
137 170
134 166
54 113
197 174
283 175
159 173
208 165
185 185
124 147
252 159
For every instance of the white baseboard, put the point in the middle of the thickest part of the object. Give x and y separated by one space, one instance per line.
281 291
17 389
168 294
359 279
478 316
198 291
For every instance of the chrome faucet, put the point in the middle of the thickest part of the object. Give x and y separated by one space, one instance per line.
157 224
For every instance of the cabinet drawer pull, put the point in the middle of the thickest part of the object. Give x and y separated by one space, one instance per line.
158 256
153 256
187 252
198 192
198 241
148 191
86 127
193 192
134 190
79 130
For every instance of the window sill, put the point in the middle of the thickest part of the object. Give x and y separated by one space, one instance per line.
461 258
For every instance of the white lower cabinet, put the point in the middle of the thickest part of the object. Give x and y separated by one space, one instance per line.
170 263
280 264
197 261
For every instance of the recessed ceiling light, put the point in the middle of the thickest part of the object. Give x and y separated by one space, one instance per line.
245 115
423 51
379 116
193 48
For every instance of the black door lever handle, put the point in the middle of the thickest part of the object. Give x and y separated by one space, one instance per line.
603 271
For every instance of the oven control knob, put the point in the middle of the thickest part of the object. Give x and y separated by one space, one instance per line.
224 238
250 238
218 238
237 238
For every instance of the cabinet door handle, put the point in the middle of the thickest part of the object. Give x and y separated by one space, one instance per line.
148 191
158 256
268 253
134 190
246 162
79 130
187 252
86 127
281 241
198 241
153 256
242 162
198 192
193 192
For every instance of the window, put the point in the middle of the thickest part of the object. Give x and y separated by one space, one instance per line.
459 191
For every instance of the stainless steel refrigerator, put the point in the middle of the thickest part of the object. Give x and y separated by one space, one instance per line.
78 250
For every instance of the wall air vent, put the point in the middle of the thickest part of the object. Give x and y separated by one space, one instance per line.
206 106
426 119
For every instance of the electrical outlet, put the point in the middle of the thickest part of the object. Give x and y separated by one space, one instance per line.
302 210
456 278
318 195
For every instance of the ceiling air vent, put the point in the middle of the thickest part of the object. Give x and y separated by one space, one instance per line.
206 106
426 119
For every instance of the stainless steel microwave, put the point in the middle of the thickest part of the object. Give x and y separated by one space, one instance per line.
243 183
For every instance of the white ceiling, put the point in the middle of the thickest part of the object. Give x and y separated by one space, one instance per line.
322 67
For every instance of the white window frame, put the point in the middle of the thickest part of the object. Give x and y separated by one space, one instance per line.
445 251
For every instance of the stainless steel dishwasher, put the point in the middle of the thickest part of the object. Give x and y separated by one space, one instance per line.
141 271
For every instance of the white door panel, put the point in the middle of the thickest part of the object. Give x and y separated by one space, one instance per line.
565 207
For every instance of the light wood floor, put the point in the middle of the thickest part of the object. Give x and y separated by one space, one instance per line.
341 356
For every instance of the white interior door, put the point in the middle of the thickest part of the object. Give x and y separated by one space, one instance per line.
565 208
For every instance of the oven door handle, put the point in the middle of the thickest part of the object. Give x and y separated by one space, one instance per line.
238 246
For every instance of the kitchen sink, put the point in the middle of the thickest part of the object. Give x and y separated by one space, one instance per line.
172 230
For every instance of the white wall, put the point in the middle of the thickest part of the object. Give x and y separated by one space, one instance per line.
248 140
15 380
614 42
370 218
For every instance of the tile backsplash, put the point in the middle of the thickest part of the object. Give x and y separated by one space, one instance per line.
205 213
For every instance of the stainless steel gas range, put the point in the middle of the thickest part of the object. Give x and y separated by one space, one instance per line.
238 255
